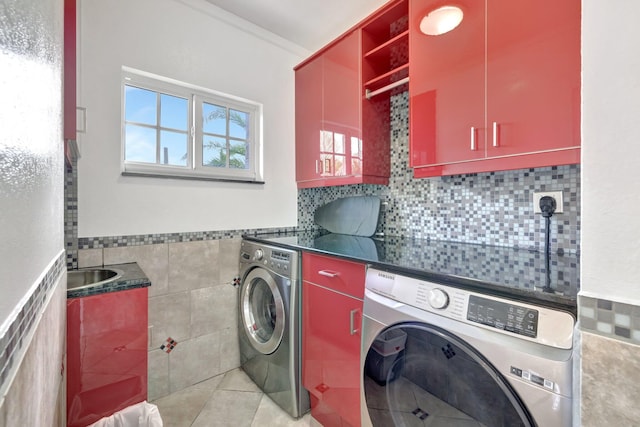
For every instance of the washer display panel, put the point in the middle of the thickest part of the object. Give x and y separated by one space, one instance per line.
418 374
262 311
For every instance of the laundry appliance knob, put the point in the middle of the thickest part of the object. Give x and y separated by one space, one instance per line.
438 298
258 255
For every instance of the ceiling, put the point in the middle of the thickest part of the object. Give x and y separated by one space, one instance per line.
307 23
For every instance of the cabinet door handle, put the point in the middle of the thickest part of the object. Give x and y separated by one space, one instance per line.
473 138
496 141
327 273
317 166
353 329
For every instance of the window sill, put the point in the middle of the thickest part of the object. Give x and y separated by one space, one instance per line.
191 177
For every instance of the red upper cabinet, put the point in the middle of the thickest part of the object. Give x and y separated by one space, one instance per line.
328 130
500 91
308 119
69 99
447 87
533 76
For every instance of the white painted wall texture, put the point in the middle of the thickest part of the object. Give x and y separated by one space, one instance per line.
193 42
611 150
31 148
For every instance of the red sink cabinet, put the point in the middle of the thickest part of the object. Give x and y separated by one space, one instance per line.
106 354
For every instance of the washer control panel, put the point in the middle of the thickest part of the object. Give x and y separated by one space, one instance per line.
279 260
500 315
527 321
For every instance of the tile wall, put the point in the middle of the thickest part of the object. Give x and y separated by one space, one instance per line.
610 392
27 374
191 301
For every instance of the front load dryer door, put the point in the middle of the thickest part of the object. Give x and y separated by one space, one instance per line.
419 374
262 310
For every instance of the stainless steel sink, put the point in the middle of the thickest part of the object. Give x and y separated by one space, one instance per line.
85 278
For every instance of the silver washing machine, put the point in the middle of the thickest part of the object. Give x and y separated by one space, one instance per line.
270 323
439 355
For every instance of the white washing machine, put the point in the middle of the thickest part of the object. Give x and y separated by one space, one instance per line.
437 355
270 323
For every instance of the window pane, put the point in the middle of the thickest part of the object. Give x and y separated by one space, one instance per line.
356 167
355 147
140 144
214 119
238 158
214 151
173 148
340 166
238 121
326 141
327 164
140 105
339 141
173 112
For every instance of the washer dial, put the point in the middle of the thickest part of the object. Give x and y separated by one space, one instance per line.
438 298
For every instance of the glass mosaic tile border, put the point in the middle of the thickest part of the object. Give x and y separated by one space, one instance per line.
154 239
14 341
610 319
71 214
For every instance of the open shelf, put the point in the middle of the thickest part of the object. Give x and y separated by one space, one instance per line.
401 41
387 78
385 47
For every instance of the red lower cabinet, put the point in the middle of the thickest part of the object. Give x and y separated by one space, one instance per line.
106 354
331 323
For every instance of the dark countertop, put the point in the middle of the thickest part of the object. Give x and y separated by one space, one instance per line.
519 274
132 277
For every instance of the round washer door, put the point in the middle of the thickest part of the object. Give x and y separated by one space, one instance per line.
262 309
418 373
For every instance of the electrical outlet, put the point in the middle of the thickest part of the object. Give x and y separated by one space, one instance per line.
557 195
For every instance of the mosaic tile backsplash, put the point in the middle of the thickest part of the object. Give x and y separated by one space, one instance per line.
492 208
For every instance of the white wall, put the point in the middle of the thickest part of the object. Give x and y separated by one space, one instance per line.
611 150
194 42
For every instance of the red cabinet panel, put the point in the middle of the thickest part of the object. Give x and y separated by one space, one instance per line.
446 87
331 355
501 91
329 148
332 295
106 354
533 76
308 119
340 275
69 98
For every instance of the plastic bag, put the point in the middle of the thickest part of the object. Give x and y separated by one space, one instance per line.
142 414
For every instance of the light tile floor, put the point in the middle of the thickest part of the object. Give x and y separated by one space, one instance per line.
230 399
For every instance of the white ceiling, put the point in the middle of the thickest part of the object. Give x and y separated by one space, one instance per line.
307 23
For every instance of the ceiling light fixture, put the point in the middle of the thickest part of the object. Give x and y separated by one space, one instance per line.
441 20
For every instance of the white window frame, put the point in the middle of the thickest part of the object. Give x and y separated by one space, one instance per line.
196 96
